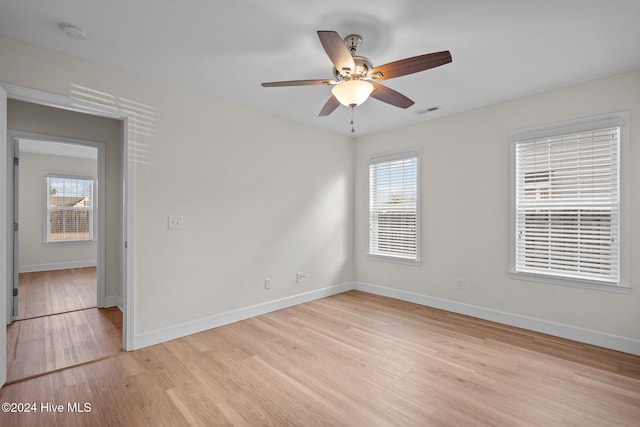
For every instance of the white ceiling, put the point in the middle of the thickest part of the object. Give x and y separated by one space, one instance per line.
501 49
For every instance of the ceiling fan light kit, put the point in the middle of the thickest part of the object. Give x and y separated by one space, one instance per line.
356 79
352 93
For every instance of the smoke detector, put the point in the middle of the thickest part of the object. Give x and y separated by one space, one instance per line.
73 32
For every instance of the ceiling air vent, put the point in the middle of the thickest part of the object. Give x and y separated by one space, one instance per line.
427 110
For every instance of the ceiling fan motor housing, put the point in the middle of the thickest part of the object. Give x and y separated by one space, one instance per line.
363 65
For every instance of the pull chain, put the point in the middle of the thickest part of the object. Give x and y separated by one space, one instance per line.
352 112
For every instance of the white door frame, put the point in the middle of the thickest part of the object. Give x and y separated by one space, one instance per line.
129 171
12 215
4 236
100 229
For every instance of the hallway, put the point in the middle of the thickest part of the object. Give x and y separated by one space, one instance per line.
59 325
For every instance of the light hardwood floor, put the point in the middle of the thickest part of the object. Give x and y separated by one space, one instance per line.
59 325
43 293
49 343
353 359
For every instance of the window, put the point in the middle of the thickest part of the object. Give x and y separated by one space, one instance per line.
393 206
566 194
70 209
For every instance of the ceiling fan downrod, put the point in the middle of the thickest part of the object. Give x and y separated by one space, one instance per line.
353 42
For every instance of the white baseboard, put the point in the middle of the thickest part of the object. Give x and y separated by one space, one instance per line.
56 266
199 325
113 301
587 336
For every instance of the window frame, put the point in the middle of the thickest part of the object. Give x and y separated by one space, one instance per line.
93 211
386 157
618 119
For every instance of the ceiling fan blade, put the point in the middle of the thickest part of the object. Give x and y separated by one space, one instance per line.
390 96
329 107
410 65
298 83
337 51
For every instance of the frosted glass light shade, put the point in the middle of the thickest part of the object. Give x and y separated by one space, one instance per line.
352 93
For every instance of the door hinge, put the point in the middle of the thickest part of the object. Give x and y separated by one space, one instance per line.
15 226
16 161
15 292
125 245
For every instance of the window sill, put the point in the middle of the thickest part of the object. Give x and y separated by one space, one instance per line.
393 259
69 242
576 283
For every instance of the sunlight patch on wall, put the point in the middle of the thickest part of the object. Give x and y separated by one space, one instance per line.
332 207
142 115
318 230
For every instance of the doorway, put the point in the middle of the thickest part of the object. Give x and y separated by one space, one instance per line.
122 233
58 247
59 256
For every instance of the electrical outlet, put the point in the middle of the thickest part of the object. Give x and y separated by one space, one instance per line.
175 222
267 284
460 284
300 278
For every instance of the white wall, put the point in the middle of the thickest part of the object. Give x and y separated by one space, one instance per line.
465 210
261 197
34 255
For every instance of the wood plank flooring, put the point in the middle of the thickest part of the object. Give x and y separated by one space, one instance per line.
49 343
59 325
43 293
353 359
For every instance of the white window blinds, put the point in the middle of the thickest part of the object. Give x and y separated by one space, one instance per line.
567 202
393 201
70 209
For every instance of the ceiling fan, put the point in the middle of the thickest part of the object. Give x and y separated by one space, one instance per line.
355 77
